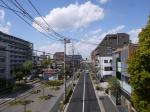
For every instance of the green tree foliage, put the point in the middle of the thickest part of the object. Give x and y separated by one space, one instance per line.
18 75
27 66
46 62
114 87
139 70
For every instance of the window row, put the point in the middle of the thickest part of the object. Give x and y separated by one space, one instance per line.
107 61
108 69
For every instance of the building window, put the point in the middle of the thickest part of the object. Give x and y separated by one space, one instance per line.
2 60
107 68
110 61
105 61
118 60
2 70
124 43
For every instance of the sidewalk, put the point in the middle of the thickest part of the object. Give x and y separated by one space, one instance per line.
40 105
106 103
9 97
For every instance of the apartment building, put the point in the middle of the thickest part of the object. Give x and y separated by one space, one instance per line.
74 61
13 52
105 68
120 66
104 51
59 59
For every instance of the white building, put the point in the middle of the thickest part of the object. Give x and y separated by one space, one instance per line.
104 67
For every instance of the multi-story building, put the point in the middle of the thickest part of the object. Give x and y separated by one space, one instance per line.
105 67
71 60
3 60
59 59
74 61
104 51
111 42
120 66
13 52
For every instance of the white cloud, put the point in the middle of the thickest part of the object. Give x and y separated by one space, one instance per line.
4 26
74 16
134 35
51 47
97 31
103 1
2 14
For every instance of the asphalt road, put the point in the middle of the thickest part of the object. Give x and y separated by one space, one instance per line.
84 98
91 103
77 97
108 105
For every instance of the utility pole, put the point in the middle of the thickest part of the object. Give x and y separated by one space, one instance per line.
65 42
73 64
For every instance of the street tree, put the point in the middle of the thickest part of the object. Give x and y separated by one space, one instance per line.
22 102
25 103
18 75
114 87
27 66
46 62
139 70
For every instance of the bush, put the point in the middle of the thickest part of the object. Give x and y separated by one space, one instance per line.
13 103
33 92
53 83
69 93
99 88
78 75
74 84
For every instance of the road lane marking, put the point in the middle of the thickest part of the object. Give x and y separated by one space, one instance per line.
83 94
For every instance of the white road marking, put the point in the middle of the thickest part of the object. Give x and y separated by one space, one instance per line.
83 94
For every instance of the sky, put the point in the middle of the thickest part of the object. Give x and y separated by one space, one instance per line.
85 20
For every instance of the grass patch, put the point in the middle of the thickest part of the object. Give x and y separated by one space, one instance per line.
20 102
35 91
14 103
53 83
28 111
69 93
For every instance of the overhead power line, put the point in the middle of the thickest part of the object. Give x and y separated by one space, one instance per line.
22 17
53 33
57 34
29 16
42 51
